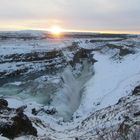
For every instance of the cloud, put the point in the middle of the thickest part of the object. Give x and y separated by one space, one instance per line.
77 14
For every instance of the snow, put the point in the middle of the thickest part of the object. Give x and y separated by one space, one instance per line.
9 66
3 138
112 80
15 102
15 46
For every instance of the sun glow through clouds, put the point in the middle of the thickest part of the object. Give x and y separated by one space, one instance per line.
56 30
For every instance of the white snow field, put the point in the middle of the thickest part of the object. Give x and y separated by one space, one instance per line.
80 102
112 80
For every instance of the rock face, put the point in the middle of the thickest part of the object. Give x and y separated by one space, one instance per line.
31 65
3 103
13 122
47 111
136 90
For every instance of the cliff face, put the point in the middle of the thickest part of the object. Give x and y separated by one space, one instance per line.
70 88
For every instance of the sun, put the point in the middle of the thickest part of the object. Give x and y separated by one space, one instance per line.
56 30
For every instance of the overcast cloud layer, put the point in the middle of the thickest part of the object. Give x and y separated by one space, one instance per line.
118 15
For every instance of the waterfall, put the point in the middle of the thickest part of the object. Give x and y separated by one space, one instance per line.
68 99
62 92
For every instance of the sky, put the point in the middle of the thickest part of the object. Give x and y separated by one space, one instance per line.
79 15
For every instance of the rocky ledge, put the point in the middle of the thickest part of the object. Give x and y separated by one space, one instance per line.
29 66
13 121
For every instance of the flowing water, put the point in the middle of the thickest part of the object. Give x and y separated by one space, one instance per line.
69 98
63 93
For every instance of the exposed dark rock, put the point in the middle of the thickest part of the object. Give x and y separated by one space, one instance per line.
82 54
125 51
3 103
34 112
49 62
22 36
51 112
33 56
14 123
136 91
23 125
121 100
126 118
124 128
113 46
103 116
108 40
96 35
47 111
21 109
137 114
26 69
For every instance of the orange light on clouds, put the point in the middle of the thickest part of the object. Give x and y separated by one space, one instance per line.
54 27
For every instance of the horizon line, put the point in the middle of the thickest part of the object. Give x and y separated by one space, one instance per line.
71 31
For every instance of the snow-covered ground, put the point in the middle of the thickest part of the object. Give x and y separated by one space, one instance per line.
112 80
76 99
14 46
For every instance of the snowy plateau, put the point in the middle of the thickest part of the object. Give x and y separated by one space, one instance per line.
77 87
